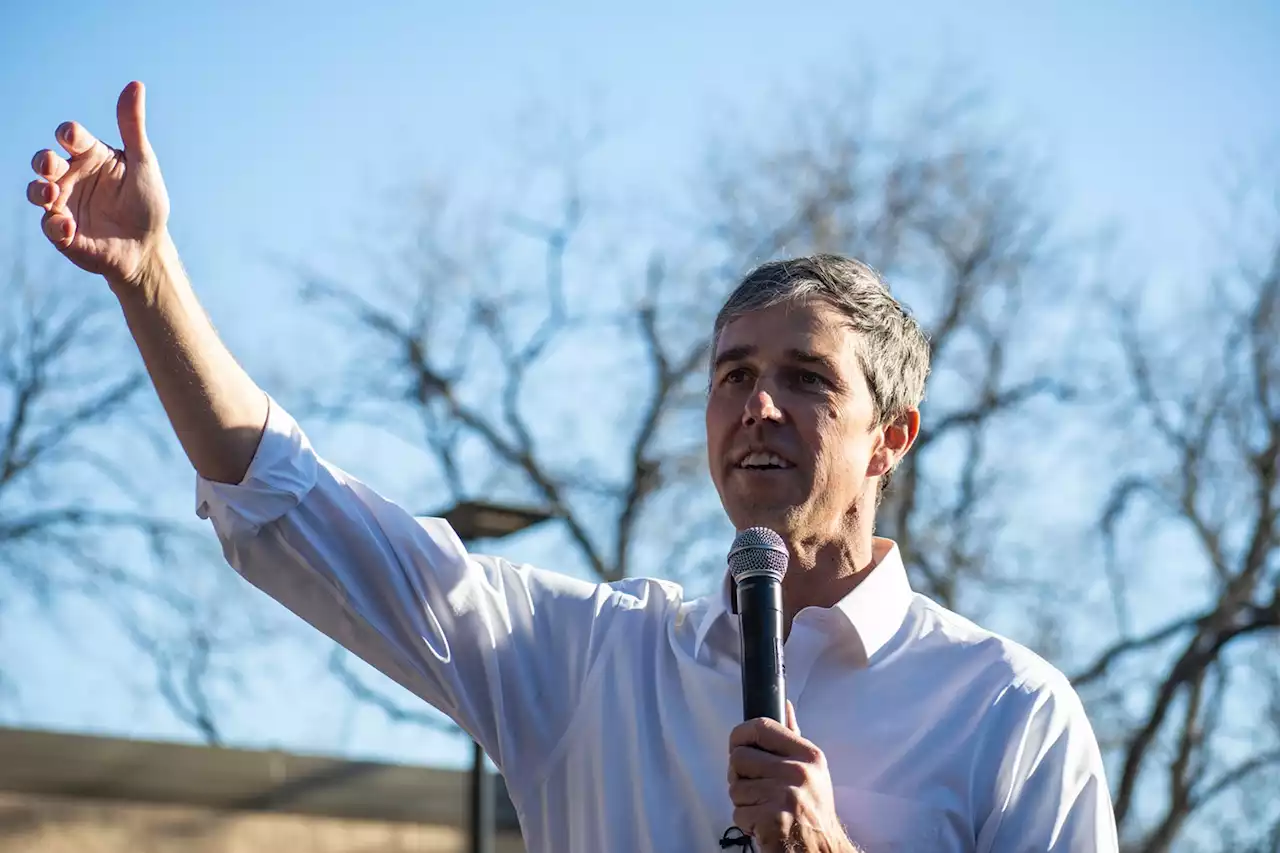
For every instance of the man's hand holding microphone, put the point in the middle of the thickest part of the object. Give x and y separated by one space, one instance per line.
781 789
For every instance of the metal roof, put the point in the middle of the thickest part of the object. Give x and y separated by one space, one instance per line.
91 766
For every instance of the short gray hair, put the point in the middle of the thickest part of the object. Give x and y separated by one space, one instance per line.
894 350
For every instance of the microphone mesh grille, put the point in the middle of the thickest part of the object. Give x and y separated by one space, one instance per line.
757 551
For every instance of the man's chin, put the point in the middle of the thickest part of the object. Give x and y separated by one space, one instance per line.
779 518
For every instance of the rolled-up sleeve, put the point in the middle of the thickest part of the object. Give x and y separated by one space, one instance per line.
504 650
1051 793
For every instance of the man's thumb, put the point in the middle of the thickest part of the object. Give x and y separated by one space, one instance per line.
131 116
791 718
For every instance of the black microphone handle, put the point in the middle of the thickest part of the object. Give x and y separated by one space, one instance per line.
760 619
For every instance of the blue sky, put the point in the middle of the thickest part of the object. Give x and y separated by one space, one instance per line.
282 124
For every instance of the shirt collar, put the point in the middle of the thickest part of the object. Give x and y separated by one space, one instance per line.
874 609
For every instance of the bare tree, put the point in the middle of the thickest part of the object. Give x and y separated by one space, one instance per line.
74 521
55 392
948 210
1188 696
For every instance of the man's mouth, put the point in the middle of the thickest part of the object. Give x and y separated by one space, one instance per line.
761 461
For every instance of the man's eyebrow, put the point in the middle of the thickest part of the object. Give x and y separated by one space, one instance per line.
805 357
734 354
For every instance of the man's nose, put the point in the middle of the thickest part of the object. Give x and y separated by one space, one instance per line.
760 407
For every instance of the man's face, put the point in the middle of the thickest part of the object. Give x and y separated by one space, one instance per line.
791 437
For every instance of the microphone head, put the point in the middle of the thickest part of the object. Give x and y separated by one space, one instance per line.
758 551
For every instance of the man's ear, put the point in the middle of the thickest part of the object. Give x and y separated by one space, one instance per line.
896 438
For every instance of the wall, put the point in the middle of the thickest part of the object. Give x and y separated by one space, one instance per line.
50 824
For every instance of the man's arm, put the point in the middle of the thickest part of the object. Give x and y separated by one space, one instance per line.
503 650
217 411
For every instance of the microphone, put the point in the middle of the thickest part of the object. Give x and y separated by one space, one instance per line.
757 561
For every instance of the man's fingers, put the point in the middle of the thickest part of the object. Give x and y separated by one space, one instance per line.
42 193
747 762
752 732
48 165
75 139
59 228
772 736
131 116
791 718
751 792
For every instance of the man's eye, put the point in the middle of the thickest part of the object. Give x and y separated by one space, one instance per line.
808 377
733 377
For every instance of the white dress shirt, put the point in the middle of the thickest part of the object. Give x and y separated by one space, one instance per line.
608 707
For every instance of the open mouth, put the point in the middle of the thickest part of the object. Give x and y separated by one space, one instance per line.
760 461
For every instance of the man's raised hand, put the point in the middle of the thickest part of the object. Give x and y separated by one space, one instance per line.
105 209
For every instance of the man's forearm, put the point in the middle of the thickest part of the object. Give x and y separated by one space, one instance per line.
216 409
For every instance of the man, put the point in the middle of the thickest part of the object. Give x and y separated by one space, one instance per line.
614 710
